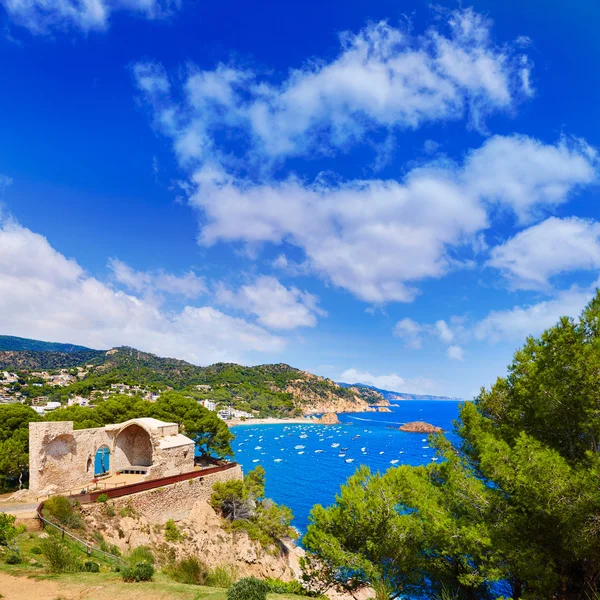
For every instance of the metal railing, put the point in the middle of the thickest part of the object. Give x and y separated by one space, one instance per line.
89 549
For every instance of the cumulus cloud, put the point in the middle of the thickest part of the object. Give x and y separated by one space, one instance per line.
188 285
383 77
45 295
45 16
455 353
533 256
378 238
443 331
409 331
392 382
276 306
520 321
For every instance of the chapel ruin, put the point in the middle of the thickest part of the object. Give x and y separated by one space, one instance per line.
61 458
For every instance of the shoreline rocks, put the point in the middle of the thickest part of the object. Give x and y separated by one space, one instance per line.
420 427
328 419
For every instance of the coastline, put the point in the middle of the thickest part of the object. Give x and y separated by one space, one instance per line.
271 421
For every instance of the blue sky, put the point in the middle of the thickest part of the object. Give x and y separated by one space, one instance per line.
396 193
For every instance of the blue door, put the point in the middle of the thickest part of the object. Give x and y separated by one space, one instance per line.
102 463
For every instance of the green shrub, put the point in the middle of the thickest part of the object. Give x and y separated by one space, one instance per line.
248 588
91 567
109 511
172 533
102 498
189 570
141 554
61 511
61 559
222 576
277 586
140 572
36 550
13 558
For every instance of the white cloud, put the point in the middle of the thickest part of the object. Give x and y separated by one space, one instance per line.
45 16
455 353
383 78
391 382
188 285
377 238
276 306
517 323
526 174
444 332
410 331
44 295
534 255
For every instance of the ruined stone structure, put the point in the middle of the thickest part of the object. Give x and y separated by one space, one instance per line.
61 458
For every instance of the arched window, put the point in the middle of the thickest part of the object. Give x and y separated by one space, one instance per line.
102 462
89 465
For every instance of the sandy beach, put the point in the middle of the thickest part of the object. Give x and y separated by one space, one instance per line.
271 421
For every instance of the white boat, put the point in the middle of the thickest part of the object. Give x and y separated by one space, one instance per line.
258 448
341 455
349 460
278 460
334 445
381 452
303 436
425 447
299 447
393 462
301 452
363 449
256 460
317 451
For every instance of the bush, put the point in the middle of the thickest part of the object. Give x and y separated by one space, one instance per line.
248 588
13 558
276 586
61 511
172 533
102 498
222 576
140 572
36 550
109 511
189 570
91 567
61 559
141 554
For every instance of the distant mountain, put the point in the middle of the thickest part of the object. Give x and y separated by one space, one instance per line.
389 395
9 342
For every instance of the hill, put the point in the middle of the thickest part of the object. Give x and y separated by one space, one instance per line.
9 342
266 390
390 395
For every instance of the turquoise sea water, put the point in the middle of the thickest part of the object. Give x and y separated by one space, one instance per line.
304 463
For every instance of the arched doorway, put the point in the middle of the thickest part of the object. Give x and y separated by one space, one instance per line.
102 461
133 448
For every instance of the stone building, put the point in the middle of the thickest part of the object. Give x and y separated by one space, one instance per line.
61 458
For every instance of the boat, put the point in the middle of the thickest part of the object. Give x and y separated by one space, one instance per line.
317 451
258 448
393 462
334 445
256 460
363 449
349 460
299 447
278 460
301 452
341 455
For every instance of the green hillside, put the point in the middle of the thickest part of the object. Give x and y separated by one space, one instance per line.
9 342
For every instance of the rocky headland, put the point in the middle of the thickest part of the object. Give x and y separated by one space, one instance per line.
420 427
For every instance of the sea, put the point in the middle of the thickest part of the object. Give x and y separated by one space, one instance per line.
306 464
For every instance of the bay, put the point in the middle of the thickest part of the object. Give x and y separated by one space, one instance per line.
306 464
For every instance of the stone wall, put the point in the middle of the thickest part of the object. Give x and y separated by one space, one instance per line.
61 459
175 501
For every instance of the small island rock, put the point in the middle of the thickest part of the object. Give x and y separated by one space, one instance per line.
329 419
383 409
420 427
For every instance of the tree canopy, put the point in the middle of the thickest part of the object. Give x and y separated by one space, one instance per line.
512 510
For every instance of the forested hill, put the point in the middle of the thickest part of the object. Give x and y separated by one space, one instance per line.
389 395
274 389
9 342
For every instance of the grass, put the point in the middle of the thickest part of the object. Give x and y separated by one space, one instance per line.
107 584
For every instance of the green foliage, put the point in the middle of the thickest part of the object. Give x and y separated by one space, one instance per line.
244 505
60 510
8 531
10 342
60 556
221 576
189 570
35 550
91 567
141 554
13 558
140 572
277 586
248 588
102 498
172 532
516 502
